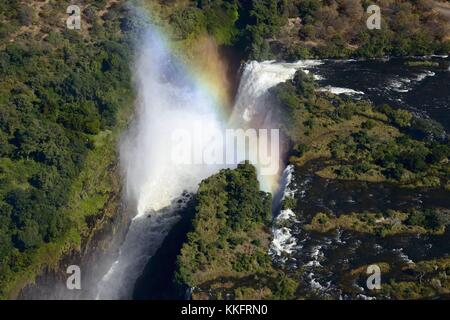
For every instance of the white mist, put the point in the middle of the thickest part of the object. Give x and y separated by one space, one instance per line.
169 99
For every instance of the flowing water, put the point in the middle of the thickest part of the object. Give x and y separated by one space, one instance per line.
326 259
422 89
169 98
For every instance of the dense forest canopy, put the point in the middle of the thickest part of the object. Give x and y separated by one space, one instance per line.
226 252
295 29
60 89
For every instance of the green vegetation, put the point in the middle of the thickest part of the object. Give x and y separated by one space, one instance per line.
230 214
62 99
422 63
217 18
337 28
227 250
244 25
365 156
428 279
297 29
422 280
432 221
360 141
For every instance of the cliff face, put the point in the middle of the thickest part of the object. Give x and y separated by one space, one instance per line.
227 259
225 253
157 279
95 255
102 97
66 96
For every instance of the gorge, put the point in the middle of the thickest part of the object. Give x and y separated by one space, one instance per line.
169 99
362 173
255 106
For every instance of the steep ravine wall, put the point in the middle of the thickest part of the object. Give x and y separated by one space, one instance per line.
96 253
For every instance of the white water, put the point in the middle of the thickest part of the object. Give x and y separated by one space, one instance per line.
338 90
253 107
283 241
169 99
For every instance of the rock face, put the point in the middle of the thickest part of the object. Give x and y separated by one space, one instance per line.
156 281
97 252
70 194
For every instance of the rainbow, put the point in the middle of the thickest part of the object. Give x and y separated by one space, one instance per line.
207 70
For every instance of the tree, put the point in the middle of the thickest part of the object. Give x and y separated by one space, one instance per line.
187 21
367 125
401 118
307 8
304 84
285 288
26 15
414 160
5 148
439 152
395 172
28 236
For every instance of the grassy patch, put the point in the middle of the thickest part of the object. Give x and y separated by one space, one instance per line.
387 224
422 280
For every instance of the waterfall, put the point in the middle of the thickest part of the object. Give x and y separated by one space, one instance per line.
253 107
168 99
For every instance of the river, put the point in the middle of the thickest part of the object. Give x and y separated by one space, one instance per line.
326 259
169 97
